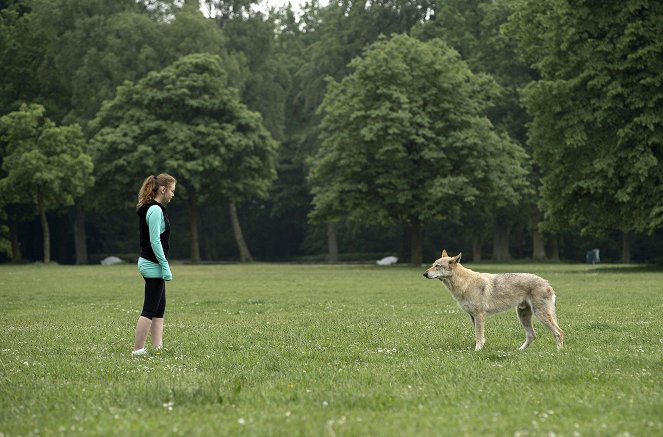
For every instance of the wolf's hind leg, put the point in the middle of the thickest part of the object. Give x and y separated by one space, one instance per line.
525 316
546 314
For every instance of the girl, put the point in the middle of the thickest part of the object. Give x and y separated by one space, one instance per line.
153 197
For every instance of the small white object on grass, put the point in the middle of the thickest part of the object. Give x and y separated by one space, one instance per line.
387 260
110 260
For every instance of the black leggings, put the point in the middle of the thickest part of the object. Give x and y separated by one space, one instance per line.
155 298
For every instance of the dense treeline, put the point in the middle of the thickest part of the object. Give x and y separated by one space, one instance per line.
526 129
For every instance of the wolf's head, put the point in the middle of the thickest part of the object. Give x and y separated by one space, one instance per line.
443 267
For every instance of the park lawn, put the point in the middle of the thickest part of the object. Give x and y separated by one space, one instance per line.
286 350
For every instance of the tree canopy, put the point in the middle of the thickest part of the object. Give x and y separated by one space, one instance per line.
45 164
405 139
21 52
597 128
576 85
187 120
473 28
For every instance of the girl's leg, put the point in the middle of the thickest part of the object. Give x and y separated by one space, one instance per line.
142 328
157 332
157 321
154 290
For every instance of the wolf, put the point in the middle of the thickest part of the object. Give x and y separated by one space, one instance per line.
480 294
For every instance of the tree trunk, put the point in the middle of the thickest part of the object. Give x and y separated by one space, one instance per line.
553 249
193 227
538 246
80 237
501 241
626 248
244 254
332 243
416 251
476 248
17 256
46 233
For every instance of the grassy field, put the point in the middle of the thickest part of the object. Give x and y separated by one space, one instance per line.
288 350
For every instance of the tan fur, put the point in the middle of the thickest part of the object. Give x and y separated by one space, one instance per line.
480 294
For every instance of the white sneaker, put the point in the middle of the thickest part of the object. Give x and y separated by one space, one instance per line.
139 353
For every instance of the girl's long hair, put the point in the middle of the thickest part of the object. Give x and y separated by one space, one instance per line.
148 191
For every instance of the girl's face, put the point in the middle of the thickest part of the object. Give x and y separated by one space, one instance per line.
166 194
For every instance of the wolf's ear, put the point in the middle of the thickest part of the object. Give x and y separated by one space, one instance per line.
444 253
456 258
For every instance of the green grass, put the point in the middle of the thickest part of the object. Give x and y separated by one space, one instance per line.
287 350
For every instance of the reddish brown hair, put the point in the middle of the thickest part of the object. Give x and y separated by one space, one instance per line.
148 191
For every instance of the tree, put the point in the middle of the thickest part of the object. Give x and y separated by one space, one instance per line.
287 205
21 51
267 80
93 46
333 36
405 140
186 119
597 129
45 164
5 243
90 48
252 34
343 30
473 28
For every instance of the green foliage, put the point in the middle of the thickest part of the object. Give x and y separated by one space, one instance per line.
187 120
190 32
596 134
597 130
122 41
357 350
45 164
265 87
321 44
473 28
335 35
92 46
405 139
22 49
343 30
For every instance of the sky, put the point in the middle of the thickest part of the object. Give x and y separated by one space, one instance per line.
266 4
296 4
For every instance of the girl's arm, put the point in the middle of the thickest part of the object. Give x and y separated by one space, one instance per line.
154 219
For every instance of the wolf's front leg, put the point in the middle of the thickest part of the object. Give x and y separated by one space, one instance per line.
478 330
